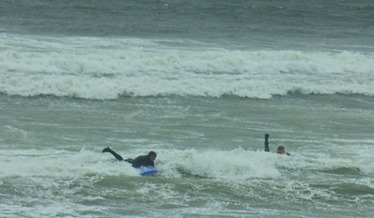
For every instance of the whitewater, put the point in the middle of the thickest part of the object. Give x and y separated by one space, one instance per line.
96 68
200 83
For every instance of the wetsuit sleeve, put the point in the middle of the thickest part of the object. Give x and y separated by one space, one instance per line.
150 163
142 161
267 149
138 162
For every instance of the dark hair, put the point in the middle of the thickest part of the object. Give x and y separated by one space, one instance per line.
152 153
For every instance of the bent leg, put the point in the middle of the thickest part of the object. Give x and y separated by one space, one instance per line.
117 156
129 160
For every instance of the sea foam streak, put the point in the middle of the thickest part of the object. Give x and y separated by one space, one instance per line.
237 164
98 68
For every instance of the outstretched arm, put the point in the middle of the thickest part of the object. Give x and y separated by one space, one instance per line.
267 149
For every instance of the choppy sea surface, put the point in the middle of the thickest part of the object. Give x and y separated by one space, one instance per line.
200 83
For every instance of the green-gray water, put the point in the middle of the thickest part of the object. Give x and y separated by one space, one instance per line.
200 83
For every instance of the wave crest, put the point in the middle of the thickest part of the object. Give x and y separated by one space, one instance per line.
97 69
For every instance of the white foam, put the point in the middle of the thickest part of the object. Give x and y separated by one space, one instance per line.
246 172
237 164
60 164
228 165
101 68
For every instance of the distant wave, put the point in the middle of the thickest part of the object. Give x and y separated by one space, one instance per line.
97 68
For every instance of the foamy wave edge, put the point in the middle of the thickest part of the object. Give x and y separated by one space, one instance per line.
105 69
104 88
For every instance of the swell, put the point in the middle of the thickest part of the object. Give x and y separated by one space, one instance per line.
103 69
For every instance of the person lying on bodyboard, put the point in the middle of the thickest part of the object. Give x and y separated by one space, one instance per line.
142 160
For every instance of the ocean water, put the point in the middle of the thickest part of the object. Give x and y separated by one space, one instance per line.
200 83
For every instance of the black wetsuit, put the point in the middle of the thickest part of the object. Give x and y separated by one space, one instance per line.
143 160
267 148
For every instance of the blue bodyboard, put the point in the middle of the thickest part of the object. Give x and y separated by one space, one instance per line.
147 170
